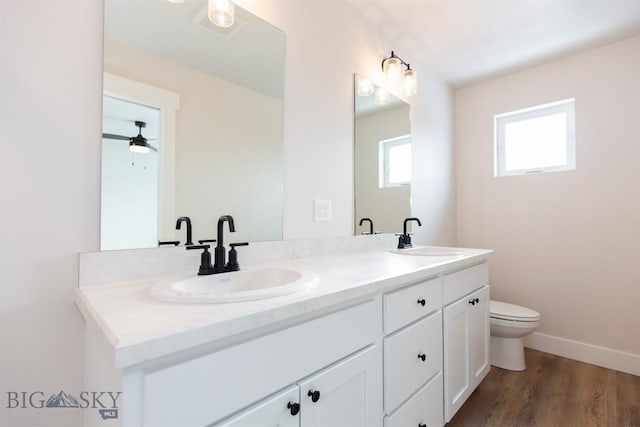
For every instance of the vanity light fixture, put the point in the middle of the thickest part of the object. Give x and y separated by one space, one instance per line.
382 96
221 12
365 87
399 75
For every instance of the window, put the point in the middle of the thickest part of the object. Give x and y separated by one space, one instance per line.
534 140
395 162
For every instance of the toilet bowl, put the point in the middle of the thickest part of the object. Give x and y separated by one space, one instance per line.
509 324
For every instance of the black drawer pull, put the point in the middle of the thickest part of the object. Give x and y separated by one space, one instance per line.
314 394
294 408
422 425
422 301
423 357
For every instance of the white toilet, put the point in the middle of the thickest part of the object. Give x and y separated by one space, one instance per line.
509 324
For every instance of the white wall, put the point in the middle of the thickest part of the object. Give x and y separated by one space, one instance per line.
50 79
568 243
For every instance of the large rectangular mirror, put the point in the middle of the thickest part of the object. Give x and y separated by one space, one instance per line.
382 159
209 101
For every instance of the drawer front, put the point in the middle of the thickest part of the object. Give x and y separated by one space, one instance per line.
405 306
458 284
411 357
423 408
204 390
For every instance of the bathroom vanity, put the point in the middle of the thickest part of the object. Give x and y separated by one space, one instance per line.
381 338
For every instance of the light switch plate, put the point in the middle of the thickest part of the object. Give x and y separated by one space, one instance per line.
321 210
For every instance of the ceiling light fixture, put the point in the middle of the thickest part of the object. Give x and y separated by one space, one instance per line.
399 78
221 12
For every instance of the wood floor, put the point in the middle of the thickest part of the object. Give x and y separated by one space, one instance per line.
553 391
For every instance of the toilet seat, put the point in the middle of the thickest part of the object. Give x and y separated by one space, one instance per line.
512 312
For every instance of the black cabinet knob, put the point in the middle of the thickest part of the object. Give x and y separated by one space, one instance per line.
422 302
422 425
477 300
423 357
472 301
314 394
294 408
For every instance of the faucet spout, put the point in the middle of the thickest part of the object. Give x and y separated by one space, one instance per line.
220 252
370 221
406 221
189 228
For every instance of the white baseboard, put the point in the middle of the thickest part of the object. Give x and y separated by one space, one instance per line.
583 352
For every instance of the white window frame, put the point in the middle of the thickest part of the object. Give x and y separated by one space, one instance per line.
383 157
566 106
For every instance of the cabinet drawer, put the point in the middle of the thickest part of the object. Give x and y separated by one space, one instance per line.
405 305
206 389
423 408
404 368
463 282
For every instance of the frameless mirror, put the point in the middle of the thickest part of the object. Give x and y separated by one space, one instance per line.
382 159
209 102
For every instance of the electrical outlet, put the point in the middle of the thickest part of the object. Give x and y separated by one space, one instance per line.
322 210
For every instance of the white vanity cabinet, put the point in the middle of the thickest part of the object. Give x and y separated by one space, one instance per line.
413 355
466 334
335 355
336 396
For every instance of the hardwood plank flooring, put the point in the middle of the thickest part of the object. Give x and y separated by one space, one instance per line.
553 392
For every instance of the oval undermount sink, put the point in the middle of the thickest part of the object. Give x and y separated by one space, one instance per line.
429 251
234 286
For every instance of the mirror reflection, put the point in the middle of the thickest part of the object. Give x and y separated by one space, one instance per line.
382 159
210 101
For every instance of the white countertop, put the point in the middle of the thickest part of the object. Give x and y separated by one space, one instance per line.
138 328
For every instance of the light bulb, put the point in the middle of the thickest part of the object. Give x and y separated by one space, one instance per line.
138 148
410 82
365 87
221 12
382 96
392 68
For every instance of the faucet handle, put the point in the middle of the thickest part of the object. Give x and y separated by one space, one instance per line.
205 260
207 241
233 264
169 242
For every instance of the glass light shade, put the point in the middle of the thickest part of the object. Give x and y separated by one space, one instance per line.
392 68
382 96
221 12
365 87
138 148
176 1
410 82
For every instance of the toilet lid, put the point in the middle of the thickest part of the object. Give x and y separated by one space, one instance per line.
503 310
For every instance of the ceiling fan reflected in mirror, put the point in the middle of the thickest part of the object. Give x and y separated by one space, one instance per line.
137 143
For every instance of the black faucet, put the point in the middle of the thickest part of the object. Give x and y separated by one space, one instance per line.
189 229
404 241
370 225
220 252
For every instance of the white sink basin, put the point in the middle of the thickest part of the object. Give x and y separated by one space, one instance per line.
234 286
429 251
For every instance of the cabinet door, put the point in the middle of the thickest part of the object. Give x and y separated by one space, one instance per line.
278 410
345 394
479 336
456 356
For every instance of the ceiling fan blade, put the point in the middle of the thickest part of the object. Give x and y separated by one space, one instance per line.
151 147
113 136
